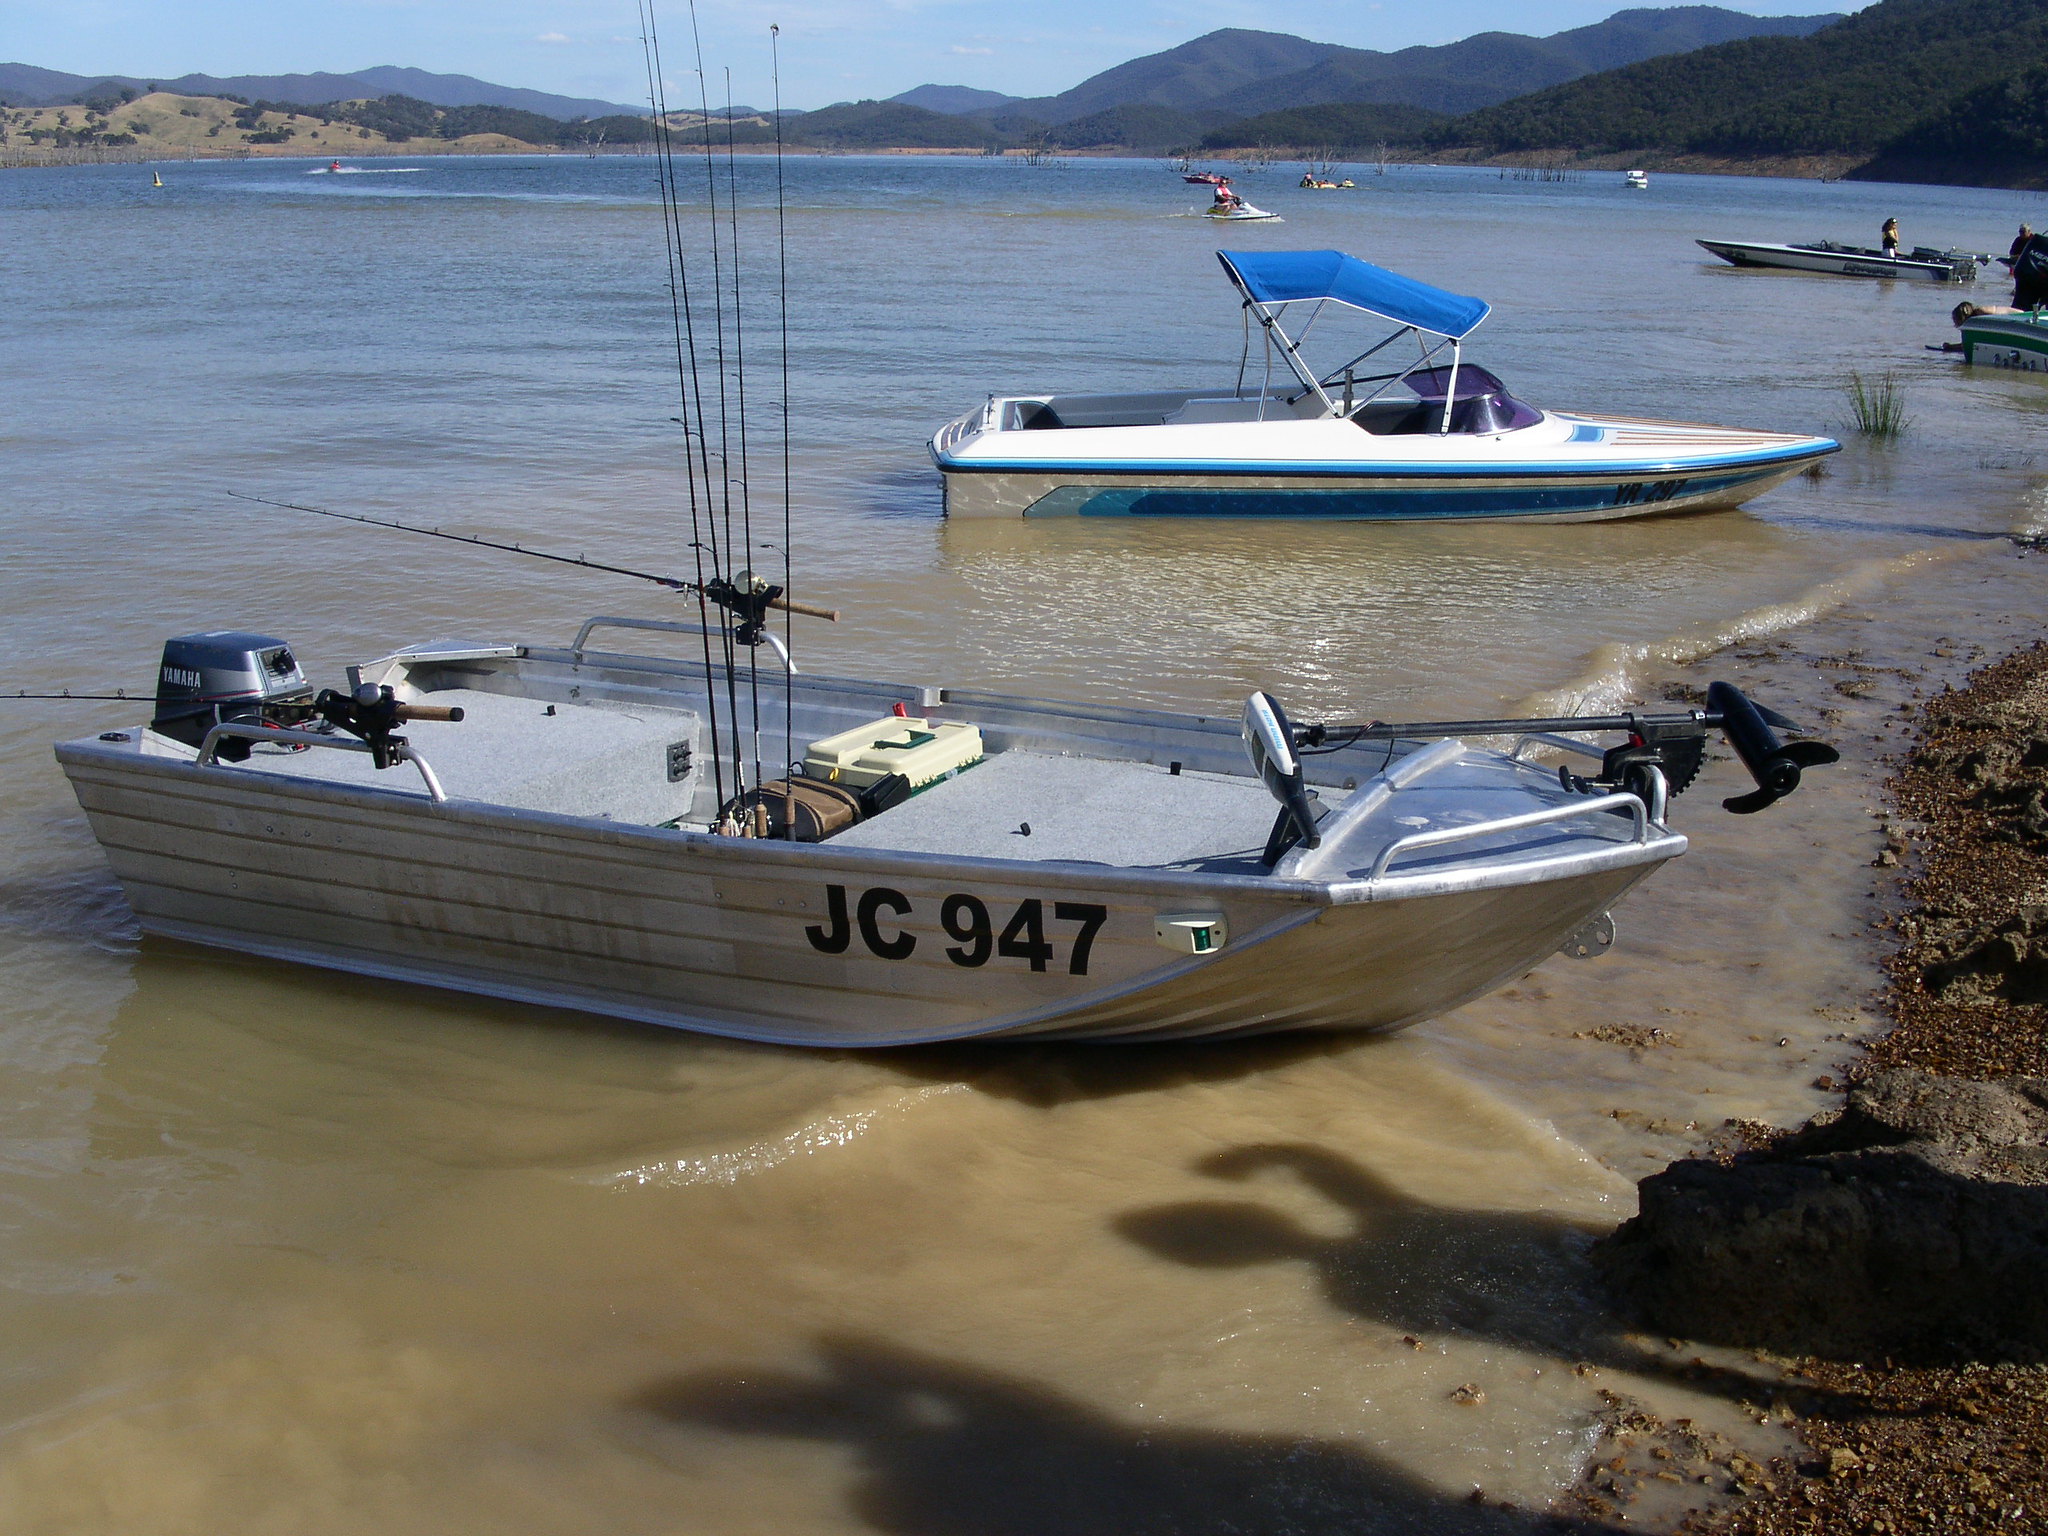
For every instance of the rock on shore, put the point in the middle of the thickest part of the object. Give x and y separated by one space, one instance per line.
1912 1225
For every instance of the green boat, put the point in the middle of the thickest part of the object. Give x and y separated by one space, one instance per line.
2008 341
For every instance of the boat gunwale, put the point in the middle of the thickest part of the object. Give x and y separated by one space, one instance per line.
1658 845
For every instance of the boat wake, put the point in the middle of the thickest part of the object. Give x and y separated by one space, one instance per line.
824 1135
360 170
1617 674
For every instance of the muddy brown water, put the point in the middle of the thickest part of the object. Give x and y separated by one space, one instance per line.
289 1252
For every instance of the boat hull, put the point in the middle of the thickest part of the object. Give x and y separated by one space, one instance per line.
1794 258
2007 341
747 939
1562 497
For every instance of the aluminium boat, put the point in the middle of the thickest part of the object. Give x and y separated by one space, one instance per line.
1830 256
557 825
1425 436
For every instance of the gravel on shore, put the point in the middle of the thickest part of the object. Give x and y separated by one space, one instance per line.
1888 1448
1896 1449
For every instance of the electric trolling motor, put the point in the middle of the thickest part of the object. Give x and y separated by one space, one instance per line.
1671 745
1674 744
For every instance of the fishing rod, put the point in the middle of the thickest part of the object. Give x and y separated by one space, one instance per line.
746 602
1673 743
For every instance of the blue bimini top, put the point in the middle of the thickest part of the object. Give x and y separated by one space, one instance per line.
1287 277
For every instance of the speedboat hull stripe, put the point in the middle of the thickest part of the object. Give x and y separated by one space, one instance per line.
1402 504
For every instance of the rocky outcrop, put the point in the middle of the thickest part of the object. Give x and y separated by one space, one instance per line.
1911 1225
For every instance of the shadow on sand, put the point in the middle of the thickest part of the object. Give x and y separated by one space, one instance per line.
1523 1280
945 1449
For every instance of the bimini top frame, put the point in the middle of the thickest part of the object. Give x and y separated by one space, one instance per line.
1272 280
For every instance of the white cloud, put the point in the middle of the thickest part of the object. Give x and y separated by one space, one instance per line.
963 48
552 37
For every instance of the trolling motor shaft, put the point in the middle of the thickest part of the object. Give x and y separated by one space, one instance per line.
1673 743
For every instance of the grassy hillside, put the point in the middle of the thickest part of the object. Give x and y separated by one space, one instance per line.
217 125
1848 89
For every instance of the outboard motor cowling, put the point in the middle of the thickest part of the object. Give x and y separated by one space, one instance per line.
223 674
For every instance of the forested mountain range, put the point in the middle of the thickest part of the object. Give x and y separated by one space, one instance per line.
1236 73
1851 88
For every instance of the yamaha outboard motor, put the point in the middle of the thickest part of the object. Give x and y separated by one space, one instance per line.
224 674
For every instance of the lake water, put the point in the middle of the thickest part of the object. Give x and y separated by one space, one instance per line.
289 1252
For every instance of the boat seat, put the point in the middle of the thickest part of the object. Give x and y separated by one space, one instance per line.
1080 810
641 765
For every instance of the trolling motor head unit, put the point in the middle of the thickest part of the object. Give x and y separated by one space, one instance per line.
1666 746
229 675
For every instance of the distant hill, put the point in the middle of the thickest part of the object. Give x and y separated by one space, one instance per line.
1497 66
1238 73
1851 88
888 125
1184 77
1335 125
953 98
1137 126
25 85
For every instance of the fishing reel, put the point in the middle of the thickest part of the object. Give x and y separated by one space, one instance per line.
747 598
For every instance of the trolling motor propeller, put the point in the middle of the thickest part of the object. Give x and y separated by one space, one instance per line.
1774 764
1672 745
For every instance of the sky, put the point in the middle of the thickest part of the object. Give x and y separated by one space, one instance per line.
831 50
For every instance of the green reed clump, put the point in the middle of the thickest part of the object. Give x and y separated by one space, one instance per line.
1878 404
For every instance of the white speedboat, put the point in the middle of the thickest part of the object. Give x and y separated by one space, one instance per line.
2018 340
1848 260
1434 437
1638 181
564 825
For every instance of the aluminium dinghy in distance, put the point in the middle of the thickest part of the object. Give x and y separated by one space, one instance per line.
565 825
1391 434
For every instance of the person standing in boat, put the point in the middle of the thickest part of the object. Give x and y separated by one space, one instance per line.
1889 236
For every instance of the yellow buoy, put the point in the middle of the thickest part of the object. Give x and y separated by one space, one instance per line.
155 180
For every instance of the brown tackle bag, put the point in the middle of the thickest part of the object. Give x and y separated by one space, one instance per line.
819 809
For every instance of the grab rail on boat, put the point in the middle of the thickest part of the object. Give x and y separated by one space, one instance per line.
1638 813
209 749
672 627
1560 743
